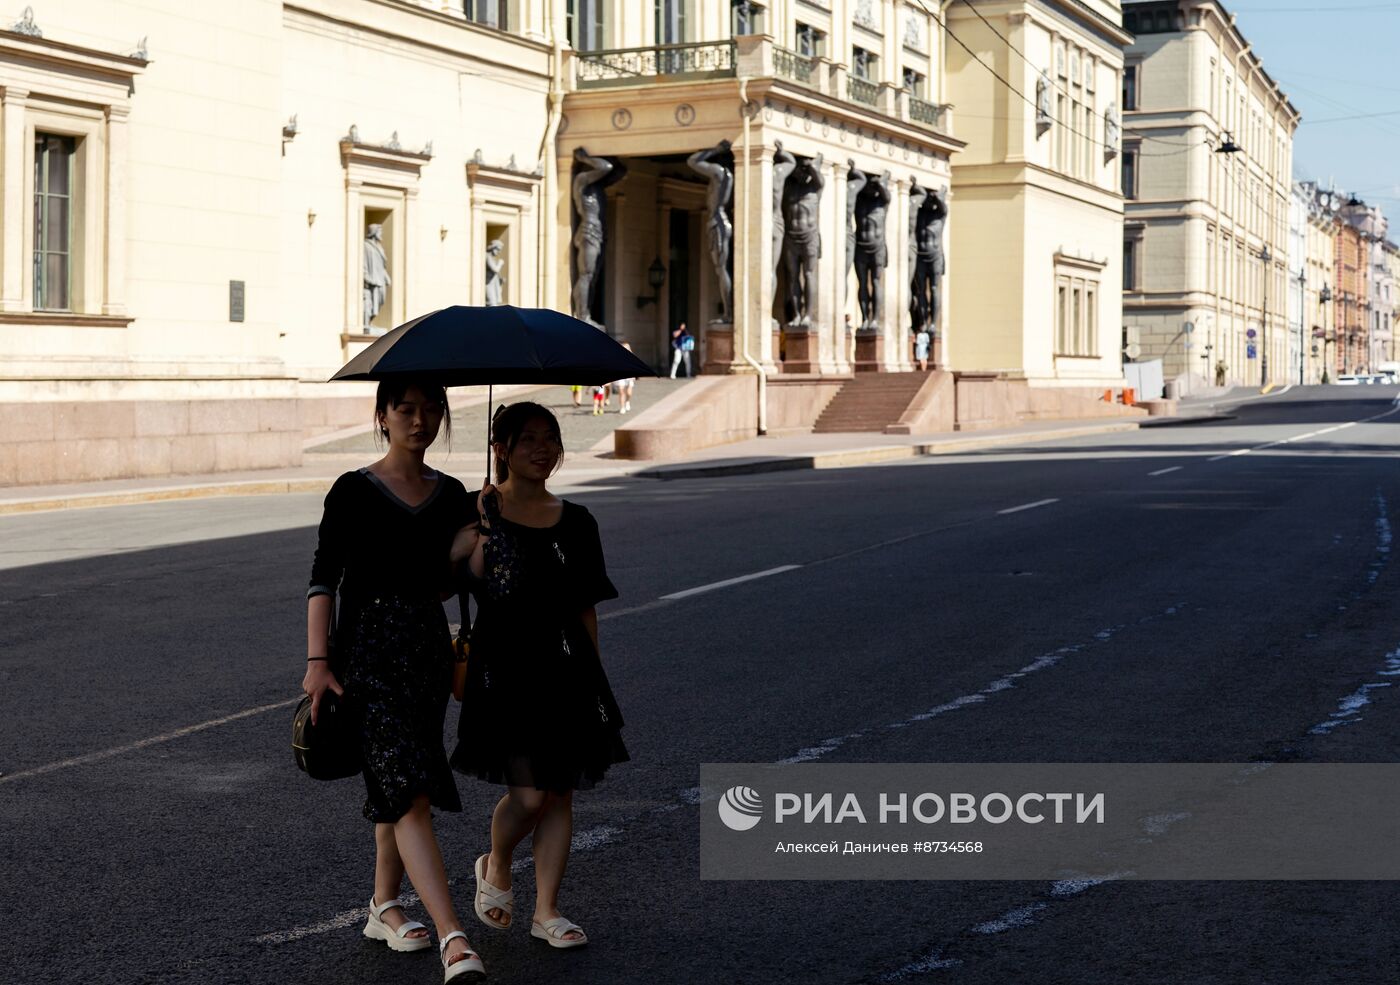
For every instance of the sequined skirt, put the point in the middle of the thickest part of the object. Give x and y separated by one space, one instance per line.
394 657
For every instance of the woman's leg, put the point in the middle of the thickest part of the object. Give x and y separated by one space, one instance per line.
388 877
515 817
553 833
413 834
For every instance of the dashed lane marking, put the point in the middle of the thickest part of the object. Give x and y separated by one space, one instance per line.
1027 506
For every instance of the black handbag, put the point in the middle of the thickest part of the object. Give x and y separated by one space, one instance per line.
330 749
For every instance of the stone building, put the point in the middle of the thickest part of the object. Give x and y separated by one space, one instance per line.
1207 164
1036 192
1311 276
200 228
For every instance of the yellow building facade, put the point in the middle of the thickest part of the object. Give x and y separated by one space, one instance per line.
1036 192
1208 172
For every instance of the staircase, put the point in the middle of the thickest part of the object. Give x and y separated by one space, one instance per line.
870 402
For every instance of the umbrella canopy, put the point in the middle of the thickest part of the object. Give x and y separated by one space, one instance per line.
470 346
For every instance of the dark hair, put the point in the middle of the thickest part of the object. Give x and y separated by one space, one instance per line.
507 424
392 391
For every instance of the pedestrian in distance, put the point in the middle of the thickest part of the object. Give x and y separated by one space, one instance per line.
385 547
682 345
625 388
577 394
922 341
538 714
600 394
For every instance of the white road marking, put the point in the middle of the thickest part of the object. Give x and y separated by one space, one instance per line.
1174 468
1027 506
179 733
700 589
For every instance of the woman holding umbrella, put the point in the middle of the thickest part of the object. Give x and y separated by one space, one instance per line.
385 542
538 715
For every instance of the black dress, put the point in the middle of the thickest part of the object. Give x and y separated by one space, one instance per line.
538 710
393 653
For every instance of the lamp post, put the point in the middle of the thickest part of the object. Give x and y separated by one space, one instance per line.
1302 318
1325 297
1267 258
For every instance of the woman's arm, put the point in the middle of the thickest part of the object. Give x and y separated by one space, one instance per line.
318 669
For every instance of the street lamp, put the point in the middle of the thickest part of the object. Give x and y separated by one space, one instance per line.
1325 297
656 276
1267 258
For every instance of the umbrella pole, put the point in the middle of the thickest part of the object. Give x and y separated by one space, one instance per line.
489 388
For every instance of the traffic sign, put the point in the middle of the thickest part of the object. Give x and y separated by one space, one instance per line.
1250 334
1250 352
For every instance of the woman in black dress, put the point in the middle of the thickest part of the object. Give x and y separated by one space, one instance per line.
538 715
386 539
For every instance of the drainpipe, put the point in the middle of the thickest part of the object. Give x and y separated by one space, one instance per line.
550 185
744 249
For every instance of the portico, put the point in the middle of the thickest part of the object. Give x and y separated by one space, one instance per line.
792 125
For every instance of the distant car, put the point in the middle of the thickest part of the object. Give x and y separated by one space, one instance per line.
1347 379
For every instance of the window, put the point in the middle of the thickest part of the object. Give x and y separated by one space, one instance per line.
670 21
53 220
745 17
1130 177
811 43
1076 315
1130 265
585 25
914 82
489 13
863 64
1130 87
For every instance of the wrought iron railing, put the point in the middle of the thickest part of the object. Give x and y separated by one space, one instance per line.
627 66
929 114
791 65
861 91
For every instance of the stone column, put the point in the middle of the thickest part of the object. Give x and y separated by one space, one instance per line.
354 264
476 251
114 252
893 357
753 254
16 264
833 352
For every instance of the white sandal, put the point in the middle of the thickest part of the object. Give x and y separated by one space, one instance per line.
488 897
467 964
552 932
376 929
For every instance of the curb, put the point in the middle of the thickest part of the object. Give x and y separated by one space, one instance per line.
1176 422
857 457
87 500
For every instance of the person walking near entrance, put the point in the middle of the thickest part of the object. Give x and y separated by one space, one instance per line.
922 341
385 547
538 714
682 344
625 388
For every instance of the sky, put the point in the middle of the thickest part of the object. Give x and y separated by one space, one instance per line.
1336 59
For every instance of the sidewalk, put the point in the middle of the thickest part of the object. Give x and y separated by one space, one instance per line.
580 468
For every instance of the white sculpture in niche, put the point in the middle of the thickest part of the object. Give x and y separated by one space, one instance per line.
865 14
914 30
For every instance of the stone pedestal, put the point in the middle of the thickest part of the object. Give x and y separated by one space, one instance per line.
718 355
869 345
801 351
777 345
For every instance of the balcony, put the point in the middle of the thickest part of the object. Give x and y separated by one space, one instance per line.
932 115
798 68
755 56
658 63
863 92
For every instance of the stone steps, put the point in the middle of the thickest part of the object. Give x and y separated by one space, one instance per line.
870 402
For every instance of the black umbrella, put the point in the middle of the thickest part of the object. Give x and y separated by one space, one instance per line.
468 346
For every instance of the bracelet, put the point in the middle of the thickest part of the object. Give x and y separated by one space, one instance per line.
314 659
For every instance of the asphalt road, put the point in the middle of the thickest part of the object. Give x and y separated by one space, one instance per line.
1193 594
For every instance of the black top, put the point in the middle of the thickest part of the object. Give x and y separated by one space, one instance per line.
373 543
